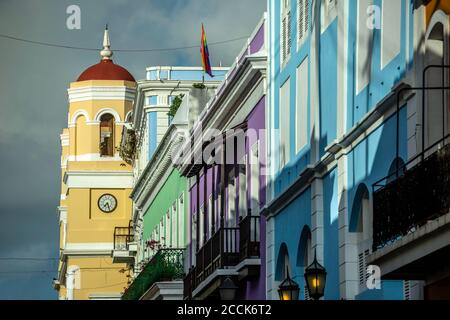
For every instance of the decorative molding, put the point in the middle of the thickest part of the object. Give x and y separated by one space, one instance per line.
165 290
80 112
65 141
105 296
90 249
101 93
99 179
103 111
62 214
93 157
234 93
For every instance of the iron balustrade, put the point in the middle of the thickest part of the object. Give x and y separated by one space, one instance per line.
165 265
419 190
420 194
123 236
249 237
221 250
189 284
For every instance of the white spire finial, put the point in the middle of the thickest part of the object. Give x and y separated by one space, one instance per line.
106 53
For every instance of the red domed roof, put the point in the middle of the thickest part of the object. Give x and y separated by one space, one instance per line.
106 70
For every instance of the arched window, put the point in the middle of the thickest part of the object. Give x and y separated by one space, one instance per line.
361 225
107 135
283 264
436 54
305 257
397 165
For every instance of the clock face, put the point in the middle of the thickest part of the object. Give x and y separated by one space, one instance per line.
107 203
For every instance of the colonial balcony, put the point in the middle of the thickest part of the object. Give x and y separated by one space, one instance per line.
229 252
161 278
411 219
124 246
219 253
249 247
249 240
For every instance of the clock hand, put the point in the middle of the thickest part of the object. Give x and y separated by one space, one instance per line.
109 208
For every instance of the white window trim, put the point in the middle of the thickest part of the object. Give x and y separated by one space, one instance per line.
285 32
302 24
301 127
387 57
328 13
284 128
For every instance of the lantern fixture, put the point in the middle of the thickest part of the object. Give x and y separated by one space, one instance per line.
288 289
228 289
315 277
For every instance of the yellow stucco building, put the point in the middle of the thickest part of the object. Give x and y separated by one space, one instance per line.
96 182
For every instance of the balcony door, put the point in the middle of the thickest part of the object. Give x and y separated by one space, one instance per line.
436 106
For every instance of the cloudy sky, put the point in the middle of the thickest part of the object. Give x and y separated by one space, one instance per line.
33 102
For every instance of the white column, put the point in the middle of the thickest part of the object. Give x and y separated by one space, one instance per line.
317 218
314 85
348 261
271 290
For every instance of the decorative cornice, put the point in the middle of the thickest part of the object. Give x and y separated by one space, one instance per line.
88 249
229 97
101 93
98 179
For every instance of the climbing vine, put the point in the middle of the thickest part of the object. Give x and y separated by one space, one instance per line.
176 103
127 149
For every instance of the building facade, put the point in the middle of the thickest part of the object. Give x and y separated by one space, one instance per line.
327 138
167 105
223 160
344 123
410 210
96 182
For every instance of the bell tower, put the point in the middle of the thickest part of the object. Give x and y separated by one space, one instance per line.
96 182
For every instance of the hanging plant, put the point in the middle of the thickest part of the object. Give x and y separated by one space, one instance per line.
176 103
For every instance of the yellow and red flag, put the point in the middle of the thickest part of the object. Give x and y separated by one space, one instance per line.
205 54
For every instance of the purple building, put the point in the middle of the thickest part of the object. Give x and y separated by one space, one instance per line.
224 159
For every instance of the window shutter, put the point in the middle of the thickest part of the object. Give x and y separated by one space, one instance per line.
407 290
283 40
306 17
289 29
362 267
300 18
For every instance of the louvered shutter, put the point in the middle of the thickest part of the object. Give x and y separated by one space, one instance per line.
283 40
306 17
362 268
407 290
300 18
289 38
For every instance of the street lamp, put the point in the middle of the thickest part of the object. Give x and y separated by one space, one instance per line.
315 277
288 289
227 289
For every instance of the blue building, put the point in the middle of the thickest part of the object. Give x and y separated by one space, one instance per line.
335 69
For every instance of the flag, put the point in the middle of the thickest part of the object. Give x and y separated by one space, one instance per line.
205 54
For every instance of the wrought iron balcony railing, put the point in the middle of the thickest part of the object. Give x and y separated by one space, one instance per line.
189 284
220 251
249 237
419 192
123 236
165 265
